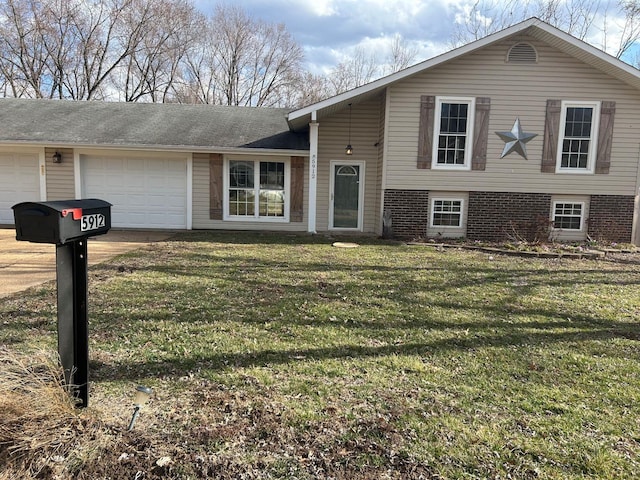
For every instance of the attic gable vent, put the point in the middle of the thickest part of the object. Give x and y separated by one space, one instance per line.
522 53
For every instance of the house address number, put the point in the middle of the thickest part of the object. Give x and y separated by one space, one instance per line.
92 222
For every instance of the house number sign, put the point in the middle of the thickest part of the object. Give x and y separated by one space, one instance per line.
92 222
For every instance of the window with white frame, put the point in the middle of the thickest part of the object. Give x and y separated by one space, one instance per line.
446 212
578 136
568 215
257 190
453 133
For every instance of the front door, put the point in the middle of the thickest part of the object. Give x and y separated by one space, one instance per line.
346 195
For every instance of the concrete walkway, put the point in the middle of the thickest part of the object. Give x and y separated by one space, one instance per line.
25 264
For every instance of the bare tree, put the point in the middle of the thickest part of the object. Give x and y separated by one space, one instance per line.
104 38
359 69
151 70
145 50
241 61
200 71
24 58
401 56
584 19
631 28
308 88
256 59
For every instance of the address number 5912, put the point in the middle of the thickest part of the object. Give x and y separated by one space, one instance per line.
92 222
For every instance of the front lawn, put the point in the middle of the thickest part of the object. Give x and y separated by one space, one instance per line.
278 356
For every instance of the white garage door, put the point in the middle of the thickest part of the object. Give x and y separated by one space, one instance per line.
19 182
145 192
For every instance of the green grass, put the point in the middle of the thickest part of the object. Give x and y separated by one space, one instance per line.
284 357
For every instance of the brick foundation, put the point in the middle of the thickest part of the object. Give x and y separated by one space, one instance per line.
409 212
611 218
496 216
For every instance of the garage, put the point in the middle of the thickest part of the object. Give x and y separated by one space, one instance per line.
146 192
19 182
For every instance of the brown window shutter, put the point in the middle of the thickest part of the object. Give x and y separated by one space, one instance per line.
425 134
481 133
215 186
605 137
296 209
551 133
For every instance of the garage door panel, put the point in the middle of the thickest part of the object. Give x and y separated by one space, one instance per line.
145 192
19 182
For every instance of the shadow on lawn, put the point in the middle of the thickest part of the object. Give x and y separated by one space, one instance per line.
276 238
227 263
519 336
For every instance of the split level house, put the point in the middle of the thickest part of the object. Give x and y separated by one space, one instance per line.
523 133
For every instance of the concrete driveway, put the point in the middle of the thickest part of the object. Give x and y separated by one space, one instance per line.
25 264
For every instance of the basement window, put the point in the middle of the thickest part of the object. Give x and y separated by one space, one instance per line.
568 216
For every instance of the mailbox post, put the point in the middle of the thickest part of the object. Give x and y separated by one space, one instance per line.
68 224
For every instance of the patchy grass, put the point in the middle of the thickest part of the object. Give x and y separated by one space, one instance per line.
283 357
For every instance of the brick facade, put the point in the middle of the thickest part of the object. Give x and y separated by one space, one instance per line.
496 216
611 218
409 212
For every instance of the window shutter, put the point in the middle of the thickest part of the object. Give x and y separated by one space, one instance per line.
551 135
481 134
605 137
425 134
215 186
296 209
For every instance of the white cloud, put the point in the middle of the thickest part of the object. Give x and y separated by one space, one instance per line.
322 8
330 30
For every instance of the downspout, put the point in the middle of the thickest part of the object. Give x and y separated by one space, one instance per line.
635 232
313 172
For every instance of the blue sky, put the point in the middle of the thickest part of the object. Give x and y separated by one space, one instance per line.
329 30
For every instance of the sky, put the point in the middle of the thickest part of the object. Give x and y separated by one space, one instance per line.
330 30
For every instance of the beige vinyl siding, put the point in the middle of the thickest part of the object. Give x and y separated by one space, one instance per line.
201 218
333 135
516 91
60 179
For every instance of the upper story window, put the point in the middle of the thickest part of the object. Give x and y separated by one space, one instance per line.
453 133
578 137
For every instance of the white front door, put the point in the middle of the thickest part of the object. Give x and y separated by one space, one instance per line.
347 194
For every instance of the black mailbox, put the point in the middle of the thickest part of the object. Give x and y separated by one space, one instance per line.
62 221
68 224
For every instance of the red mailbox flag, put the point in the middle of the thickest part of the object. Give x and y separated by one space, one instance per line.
76 212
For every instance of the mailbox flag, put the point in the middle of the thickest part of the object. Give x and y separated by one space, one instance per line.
76 212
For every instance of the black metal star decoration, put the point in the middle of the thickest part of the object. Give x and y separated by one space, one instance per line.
515 140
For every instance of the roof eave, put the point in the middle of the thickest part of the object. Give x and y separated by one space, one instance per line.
156 148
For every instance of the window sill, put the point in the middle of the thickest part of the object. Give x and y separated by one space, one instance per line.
256 219
576 171
451 167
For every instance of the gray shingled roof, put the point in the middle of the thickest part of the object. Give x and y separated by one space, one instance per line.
64 122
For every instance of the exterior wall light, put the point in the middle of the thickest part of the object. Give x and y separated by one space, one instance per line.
349 149
57 157
142 396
